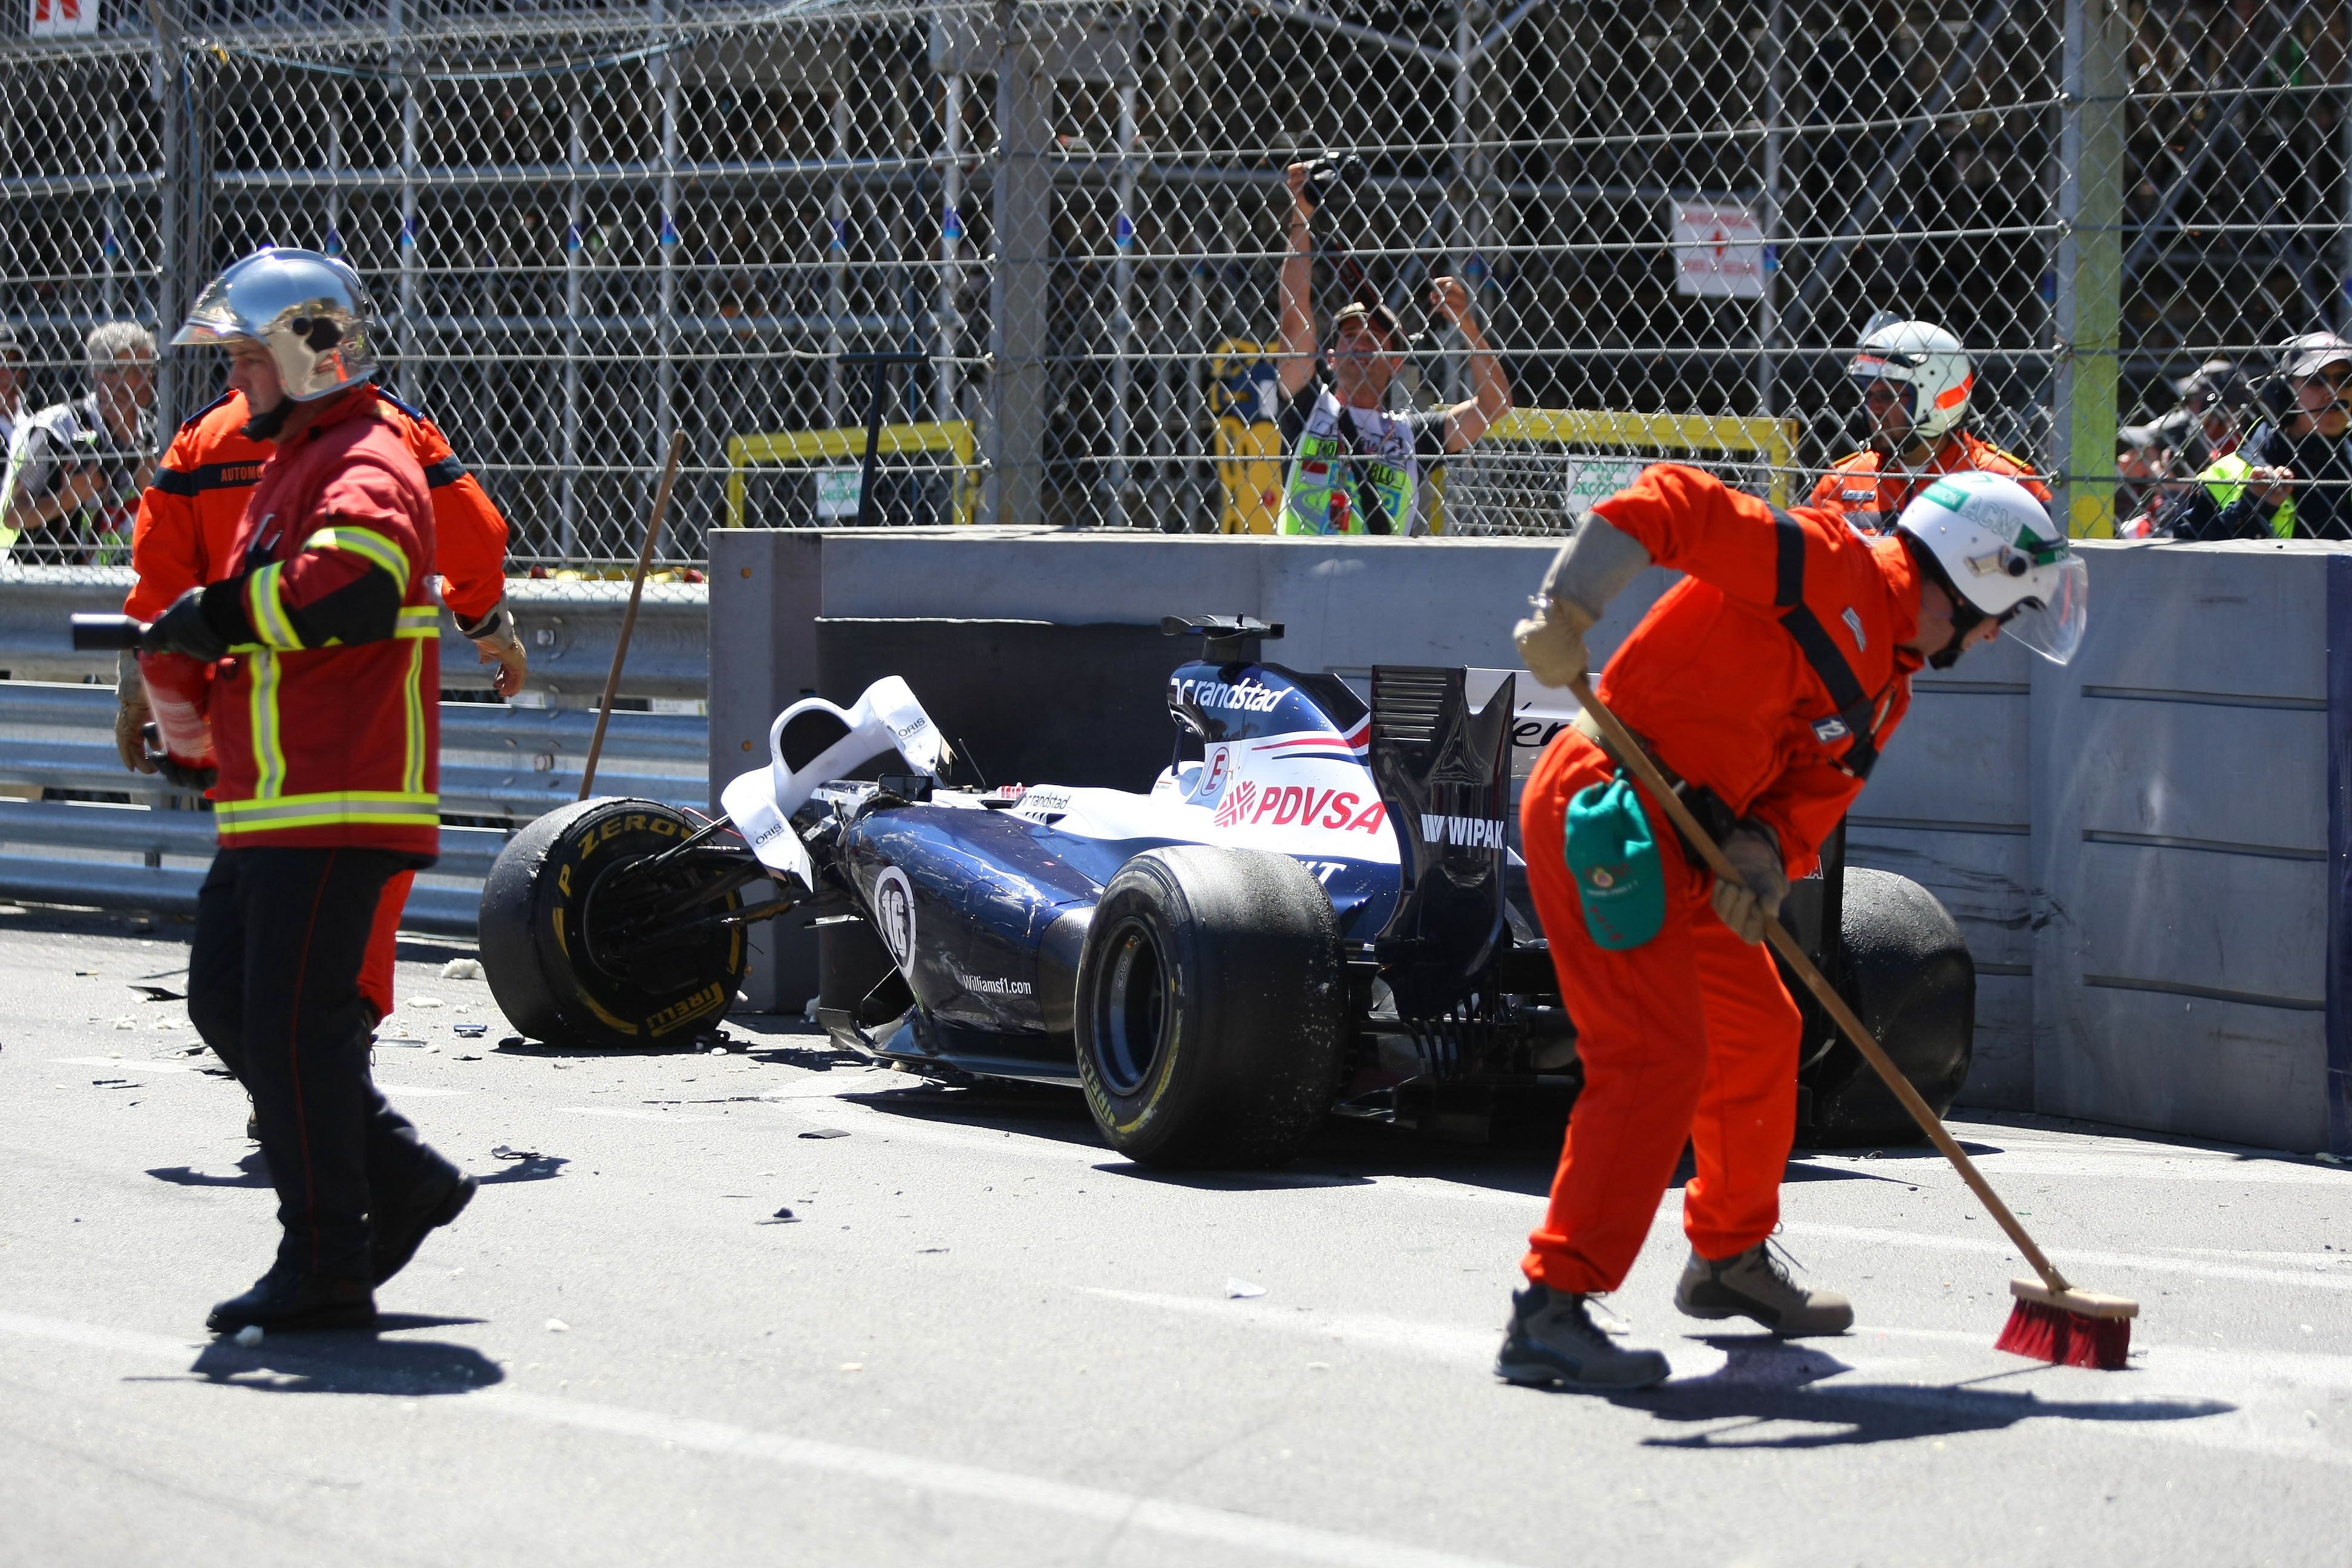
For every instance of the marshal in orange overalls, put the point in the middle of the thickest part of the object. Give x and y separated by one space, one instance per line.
1871 493
1769 675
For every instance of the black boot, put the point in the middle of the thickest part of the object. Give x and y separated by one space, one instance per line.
399 1233
285 1302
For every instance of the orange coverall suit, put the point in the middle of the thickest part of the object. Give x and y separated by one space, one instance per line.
189 517
1871 495
1769 675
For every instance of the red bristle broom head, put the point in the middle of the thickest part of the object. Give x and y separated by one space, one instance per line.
2068 1328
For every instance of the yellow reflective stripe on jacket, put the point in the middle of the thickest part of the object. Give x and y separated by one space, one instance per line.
411 778
419 621
265 609
369 545
286 813
269 754
2225 481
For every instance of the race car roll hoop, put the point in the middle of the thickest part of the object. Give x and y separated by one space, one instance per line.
1306 912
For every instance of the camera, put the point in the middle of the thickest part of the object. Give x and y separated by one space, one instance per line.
1329 173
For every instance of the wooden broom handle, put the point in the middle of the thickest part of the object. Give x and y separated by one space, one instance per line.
1632 754
629 618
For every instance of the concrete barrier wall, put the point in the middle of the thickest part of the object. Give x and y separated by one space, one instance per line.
2146 849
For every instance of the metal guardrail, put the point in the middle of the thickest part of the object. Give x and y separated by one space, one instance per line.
496 761
568 627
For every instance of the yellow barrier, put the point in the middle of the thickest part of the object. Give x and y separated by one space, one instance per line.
790 446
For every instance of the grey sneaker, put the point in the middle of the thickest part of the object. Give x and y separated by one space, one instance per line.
1553 1342
1756 1284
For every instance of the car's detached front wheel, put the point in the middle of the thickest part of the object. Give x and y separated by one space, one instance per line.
573 941
1210 1008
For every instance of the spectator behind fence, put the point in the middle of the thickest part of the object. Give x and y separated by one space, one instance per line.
2293 477
1355 468
12 389
76 470
2215 396
2143 461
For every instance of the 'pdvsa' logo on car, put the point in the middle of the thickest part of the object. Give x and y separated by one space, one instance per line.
1461 832
1252 696
894 917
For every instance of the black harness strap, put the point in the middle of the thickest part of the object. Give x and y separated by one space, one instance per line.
1854 715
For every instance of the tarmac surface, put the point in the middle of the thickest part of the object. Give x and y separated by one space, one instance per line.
983 1338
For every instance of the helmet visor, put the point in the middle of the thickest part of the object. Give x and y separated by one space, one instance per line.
2054 627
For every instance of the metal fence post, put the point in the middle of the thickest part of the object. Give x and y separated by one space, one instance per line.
2090 265
1122 315
1021 285
950 322
1768 304
666 322
171 242
409 110
575 255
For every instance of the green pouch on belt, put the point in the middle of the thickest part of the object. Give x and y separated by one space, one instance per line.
1614 856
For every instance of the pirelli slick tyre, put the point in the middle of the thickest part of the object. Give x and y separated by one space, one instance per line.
541 925
1909 974
1210 1008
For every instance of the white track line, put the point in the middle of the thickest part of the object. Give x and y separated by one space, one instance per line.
2229 1380
625 1113
2070 1258
1124 1511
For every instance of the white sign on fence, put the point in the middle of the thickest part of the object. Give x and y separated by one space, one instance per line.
1584 480
60 18
836 492
1718 250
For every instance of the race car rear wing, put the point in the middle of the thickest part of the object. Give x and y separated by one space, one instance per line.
1445 775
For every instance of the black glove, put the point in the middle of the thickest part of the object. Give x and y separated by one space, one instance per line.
177 773
184 629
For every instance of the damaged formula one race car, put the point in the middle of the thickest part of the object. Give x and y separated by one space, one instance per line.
1309 915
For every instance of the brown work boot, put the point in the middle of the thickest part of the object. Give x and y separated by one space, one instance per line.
1756 1284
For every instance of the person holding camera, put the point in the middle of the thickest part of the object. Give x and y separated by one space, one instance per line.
2292 478
1355 467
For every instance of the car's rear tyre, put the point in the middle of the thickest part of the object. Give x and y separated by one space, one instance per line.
1210 1008
1910 975
541 925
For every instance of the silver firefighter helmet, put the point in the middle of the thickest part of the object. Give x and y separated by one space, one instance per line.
312 311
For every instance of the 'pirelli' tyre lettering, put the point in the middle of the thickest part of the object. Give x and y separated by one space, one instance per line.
677 1014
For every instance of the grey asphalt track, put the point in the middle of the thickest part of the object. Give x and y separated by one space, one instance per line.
984 1339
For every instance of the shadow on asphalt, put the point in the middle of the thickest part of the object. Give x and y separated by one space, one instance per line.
1767 1382
350 1363
538 1168
252 1171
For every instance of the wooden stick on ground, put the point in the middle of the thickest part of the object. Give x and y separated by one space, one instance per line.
1629 753
629 621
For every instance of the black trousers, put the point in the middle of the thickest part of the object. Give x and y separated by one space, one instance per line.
273 987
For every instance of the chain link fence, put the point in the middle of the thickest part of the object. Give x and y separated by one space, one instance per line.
1051 234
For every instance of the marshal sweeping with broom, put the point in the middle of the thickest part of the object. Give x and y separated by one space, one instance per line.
1774 672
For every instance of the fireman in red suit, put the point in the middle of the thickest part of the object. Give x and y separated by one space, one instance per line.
324 730
188 518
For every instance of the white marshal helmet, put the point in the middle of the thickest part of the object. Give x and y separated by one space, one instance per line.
1924 359
1995 549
